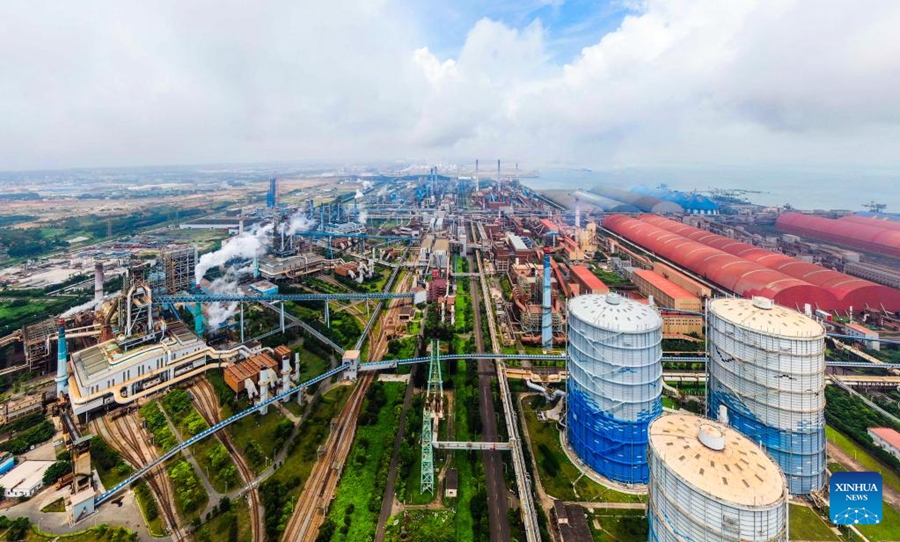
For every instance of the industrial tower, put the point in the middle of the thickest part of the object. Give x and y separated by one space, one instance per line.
433 411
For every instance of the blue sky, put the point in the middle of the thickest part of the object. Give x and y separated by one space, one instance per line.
569 25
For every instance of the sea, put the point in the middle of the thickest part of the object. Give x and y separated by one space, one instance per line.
805 189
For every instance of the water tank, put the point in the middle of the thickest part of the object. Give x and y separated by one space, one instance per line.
614 384
767 366
710 483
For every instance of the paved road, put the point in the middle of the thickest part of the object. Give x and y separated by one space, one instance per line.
497 494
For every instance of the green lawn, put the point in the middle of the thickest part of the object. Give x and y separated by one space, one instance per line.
806 524
890 477
619 525
110 466
219 528
59 505
556 471
887 531
100 533
423 526
149 509
258 429
360 480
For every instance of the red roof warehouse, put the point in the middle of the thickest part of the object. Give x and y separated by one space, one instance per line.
845 232
849 291
731 272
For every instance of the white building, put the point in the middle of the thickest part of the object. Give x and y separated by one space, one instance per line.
857 330
886 438
25 480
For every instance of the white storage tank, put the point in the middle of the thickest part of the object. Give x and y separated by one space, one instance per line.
615 383
710 483
767 366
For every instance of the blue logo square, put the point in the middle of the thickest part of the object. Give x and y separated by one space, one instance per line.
855 498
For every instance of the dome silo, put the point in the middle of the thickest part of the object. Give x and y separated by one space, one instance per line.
767 366
710 483
614 384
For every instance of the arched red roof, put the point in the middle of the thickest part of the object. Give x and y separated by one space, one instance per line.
845 232
848 290
730 272
872 221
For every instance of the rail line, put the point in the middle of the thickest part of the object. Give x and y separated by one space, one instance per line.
312 505
208 407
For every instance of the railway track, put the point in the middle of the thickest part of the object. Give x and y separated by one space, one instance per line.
207 405
312 506
125 435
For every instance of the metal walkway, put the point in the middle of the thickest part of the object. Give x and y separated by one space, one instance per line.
240 298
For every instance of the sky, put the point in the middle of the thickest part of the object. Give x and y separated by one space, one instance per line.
792 85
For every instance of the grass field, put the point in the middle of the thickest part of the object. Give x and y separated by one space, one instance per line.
890 477
219 528
100 533
618 525
59 505
359 483
805 524
258 429
556 471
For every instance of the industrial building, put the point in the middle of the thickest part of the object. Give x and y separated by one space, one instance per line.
887 438
874 272
25 479
587 281
665 292
848 291
709 483
109 368
767 367
648 204
237 374
615 383
729 272
867 236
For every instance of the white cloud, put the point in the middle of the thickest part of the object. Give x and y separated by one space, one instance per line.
707 82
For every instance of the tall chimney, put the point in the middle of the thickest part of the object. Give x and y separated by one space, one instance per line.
98 284
498 174
476 175
546 316
577 216
62 359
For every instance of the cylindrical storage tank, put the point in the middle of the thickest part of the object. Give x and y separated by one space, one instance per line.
710 483
767 366
614 385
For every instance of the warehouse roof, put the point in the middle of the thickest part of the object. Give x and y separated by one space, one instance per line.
589 279
887 434
739 472
731 272
665 285
849 290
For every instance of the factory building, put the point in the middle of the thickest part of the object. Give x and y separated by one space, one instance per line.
24 480
874 238
587 281
668 272
849 291
679 323
876 273
729 272
709 483
886 438
869 337
108 369
648 204
250 369
767 367
291 267
614 385
665 292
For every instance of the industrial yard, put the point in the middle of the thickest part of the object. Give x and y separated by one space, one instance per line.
453 355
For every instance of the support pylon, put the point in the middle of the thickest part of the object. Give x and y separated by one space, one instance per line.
433 411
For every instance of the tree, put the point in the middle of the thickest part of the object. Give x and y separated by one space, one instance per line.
56 471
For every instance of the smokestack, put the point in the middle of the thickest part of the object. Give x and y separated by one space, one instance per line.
476 175
498 174
285 376
62 359
546 316
99 279
577 216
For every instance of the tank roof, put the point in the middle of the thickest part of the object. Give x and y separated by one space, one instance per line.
614 312
777 320
740 472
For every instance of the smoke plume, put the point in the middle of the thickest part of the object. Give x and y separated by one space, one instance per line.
219 313
246 245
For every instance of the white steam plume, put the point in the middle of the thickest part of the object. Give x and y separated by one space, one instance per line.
362 217
246 245
219 313
299 222
367 185
359 194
